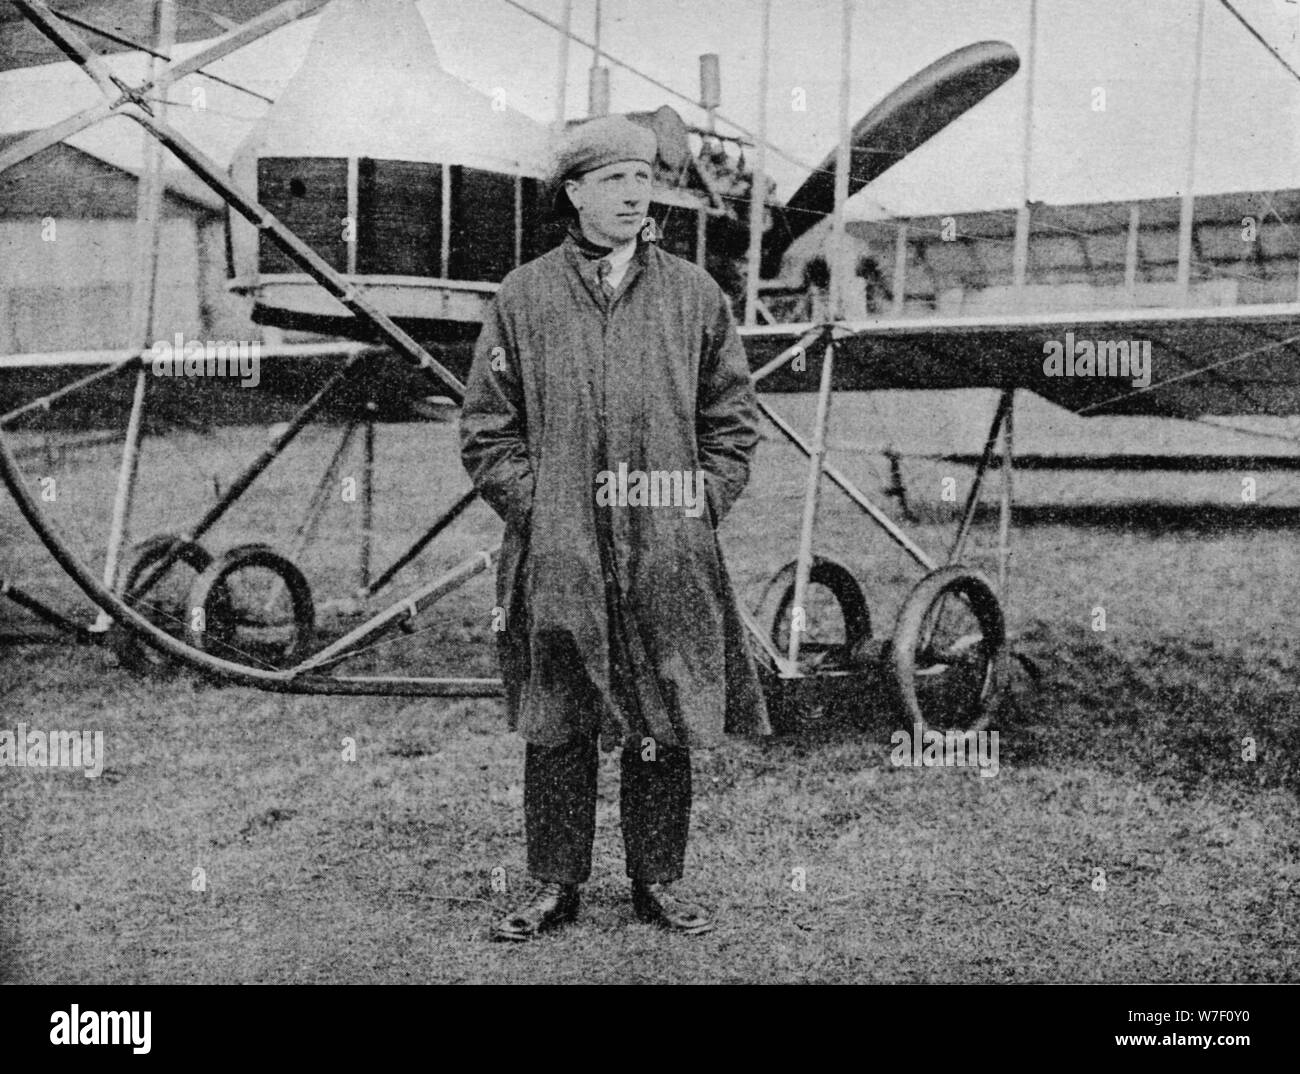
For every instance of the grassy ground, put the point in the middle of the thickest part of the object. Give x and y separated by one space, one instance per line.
1127 757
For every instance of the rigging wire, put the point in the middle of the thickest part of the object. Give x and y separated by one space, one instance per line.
605 54
122 39
1260 38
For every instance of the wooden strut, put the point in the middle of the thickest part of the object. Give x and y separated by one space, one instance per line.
49 24
41 610
320 497
812 494
403 611
758 178
1005 501
887 524
982 467
367 505
1002 422
149 220
832 474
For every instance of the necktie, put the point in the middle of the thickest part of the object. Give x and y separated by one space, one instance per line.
603 269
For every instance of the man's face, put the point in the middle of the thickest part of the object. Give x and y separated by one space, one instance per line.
612 201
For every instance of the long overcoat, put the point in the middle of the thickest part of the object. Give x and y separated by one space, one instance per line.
619 602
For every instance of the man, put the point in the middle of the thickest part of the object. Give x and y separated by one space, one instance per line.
609 419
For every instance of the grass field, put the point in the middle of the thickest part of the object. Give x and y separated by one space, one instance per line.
1127 757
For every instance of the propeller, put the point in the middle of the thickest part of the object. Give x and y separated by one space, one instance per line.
910 116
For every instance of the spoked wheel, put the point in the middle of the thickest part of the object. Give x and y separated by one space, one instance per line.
163 598
835 619
948 657
252 606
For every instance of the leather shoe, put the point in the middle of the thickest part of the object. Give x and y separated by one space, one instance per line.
656 904
554 905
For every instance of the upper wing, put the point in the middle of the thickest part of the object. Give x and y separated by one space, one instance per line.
23 45
1240 360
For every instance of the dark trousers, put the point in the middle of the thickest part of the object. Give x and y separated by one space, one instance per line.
560 810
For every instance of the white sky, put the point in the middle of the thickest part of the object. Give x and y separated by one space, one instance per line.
1140 52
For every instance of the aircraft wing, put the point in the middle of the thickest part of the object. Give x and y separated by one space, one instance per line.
1231 360
23 45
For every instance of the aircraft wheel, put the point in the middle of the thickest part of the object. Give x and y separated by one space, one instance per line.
256 607
164 603
948 656
836 618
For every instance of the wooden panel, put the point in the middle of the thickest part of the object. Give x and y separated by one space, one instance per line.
399 218
310 196
482 224
541 232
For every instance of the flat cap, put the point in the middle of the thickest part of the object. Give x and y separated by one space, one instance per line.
598 142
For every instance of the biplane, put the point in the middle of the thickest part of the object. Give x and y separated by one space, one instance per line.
440 190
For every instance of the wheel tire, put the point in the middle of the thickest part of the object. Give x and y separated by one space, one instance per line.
211 593
132 650
778 596
975 706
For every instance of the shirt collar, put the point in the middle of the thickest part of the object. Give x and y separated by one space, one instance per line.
620 256
583 255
